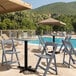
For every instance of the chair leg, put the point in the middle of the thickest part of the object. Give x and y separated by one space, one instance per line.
70 58
47 60
55 65
38 63
47 68
64 57
60 48
17 59
11 57
4 58
69 63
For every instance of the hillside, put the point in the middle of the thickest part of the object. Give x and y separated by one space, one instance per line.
57 8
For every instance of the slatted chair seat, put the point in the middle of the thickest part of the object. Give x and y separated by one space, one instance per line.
43 56
11 52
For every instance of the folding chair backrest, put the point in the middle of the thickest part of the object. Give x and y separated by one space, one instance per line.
67 38
53 46
68 46
45 44
7 44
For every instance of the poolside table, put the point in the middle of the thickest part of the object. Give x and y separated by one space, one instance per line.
26 67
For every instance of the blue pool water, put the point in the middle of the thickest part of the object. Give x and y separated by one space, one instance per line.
57 40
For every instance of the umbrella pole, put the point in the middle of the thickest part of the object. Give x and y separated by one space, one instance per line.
53 38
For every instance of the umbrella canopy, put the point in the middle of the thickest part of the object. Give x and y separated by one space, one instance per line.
52 21
13 5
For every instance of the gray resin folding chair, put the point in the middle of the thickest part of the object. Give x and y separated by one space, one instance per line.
49 57
67 38
68 50
8 49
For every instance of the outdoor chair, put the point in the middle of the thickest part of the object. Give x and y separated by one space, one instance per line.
49 57
8 49
68 50
67 38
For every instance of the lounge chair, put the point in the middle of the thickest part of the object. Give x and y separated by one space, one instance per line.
69 50
49 57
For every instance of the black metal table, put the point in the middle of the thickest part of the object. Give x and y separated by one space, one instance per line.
25 67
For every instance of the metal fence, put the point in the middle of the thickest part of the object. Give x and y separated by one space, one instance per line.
18 33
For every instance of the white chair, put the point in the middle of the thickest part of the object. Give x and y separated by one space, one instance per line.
49 57
8 48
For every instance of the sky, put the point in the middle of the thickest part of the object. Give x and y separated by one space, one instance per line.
38 3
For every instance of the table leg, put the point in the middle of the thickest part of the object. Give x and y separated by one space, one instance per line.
25 54
26 67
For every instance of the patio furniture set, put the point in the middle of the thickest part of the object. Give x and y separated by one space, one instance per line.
68 49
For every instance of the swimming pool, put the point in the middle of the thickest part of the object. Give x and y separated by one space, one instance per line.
57 40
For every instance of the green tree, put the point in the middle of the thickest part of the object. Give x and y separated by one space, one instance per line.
3 26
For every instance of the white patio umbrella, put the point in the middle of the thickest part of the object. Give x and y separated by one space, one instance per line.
13 5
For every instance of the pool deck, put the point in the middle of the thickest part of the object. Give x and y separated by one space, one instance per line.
12 70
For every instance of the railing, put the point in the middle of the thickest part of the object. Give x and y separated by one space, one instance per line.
18 33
